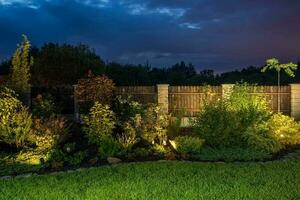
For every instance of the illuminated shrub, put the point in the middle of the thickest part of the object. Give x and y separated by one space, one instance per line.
92 89
235 121
154 125
49 133
188 145
285 129
15 120
98 128
129 137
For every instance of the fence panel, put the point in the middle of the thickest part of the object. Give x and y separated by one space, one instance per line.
271 93
188 100
142 94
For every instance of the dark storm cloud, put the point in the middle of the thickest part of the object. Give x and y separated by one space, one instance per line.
210 33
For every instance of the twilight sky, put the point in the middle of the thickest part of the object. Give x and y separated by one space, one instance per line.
216 34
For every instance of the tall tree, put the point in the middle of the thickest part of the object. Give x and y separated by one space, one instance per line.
21 63
57 64
289 69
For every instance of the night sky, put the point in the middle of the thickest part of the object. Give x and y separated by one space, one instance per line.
215 34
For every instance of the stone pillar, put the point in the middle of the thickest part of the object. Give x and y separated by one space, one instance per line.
163 96
76 107
226 90
295 101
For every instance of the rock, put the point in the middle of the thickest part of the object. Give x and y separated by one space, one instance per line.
113 160
93 161
24 175
170 156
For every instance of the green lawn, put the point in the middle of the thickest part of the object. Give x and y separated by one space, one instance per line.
165 180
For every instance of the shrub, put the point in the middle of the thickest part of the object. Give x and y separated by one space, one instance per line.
44 106
188 145
285 129
232 121
49 133
98 128
258 137
154 125
129 137
100 122
108 146
142 152
15 120
126 108
76 159
92 89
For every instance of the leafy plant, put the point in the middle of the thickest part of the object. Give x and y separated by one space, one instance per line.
99 122
98 128
236 121
15 120
49 133
154 125
76 159
21 63
94 89
129 137
273 64
44 106
285 129
188 145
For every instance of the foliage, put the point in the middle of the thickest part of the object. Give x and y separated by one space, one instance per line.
59 64
76 159
288 68
21 63
129 137
159 149
44 106
141 152
154 125
15 120
48 133
188 145
273 63
92 89
98 128
259 138
99 122
285 129
126 108
230 121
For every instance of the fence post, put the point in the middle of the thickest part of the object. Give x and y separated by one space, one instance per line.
226 90
295 101
163 97
76 107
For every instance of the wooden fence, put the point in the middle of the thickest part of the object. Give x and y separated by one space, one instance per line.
188 100
142 94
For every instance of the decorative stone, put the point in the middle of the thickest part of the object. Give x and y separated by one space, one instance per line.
170 156
113 160
93 161
24 175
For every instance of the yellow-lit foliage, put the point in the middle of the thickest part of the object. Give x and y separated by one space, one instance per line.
285 129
